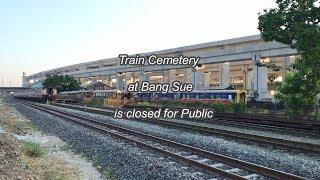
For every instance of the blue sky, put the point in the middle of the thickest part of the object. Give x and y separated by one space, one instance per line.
37 35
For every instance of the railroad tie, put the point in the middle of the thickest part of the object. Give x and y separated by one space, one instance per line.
192 157
217 165
197 173
252 176
233 170
203 160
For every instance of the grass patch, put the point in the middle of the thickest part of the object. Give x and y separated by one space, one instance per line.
33 149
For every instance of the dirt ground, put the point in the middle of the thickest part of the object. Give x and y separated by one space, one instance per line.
50 159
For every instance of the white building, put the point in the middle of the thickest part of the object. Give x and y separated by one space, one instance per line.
225 63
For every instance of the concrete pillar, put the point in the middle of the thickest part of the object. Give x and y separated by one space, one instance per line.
110 83
129 78
113 79
250 81
120 82
197 79
224 75
245 78
163 79
187 76
107 80
206 79
259 77
143 76
170 76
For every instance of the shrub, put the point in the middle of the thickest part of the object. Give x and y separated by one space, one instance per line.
167 103
144 104
195 104
97 102
238 107
218 107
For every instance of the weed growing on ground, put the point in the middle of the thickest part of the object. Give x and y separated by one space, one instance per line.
33 149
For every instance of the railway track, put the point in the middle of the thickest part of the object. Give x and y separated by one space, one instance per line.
233 121
297 124
270 141
274 123
214 163
309 126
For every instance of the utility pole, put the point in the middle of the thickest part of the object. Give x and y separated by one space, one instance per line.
2 82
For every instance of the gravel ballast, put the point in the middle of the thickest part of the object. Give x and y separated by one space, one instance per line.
247 129
121 160
285 136
306 165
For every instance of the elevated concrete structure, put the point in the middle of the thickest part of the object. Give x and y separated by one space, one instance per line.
224 63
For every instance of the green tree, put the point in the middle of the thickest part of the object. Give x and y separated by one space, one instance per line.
61 83
296 23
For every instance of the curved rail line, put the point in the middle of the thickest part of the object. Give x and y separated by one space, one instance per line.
200 158
276 142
